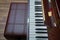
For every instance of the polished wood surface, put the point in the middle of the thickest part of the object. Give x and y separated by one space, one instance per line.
53 30
46 10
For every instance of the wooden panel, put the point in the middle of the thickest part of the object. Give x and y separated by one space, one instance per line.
53 31
55 12
46 10
58 3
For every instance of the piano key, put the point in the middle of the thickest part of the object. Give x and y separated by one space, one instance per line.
41 37
40 34
38 10
38 0
40 29
39 22
39 25
37 28
38 19
31 21
38 16
32 15
31 32
31 2
38 7
37 3
32 38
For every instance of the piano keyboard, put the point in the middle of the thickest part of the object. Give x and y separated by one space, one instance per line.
37 29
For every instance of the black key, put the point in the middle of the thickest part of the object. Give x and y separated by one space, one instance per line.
39 25
38 10
41 32
38 7
40 29
37 3
38 19
41 37
39 22
38 16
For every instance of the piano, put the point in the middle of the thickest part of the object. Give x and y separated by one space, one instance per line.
29 21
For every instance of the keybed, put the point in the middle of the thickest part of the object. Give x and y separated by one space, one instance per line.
37 28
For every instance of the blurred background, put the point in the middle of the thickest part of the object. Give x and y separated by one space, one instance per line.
4 9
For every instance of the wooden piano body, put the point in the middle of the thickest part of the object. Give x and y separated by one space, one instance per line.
52 18
20 30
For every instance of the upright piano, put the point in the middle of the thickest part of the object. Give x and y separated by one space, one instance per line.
35 20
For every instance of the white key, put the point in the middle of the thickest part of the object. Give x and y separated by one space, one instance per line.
38 5
36 17
42 27
32 38
39 12
42 34
41 30
41 38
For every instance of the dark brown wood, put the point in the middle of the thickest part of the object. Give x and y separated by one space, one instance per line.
55 12
53 31
46 10
58 4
